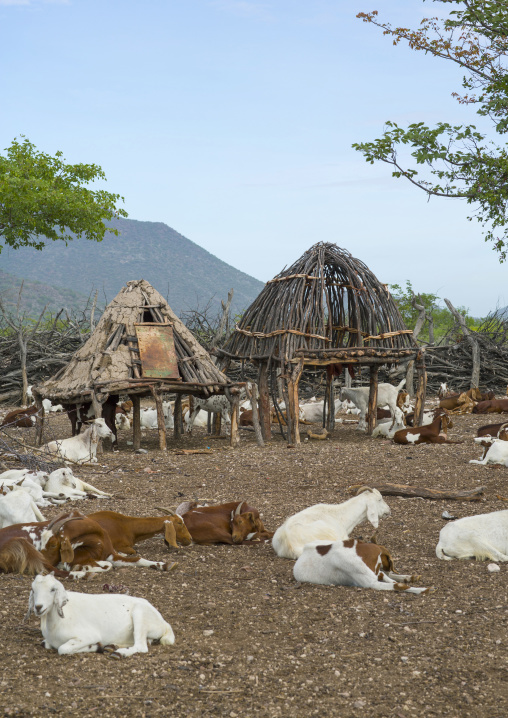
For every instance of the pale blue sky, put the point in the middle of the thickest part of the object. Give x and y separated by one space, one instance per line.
232 121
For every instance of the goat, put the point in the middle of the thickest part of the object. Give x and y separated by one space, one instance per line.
463 403
148 417
22 418
428 416
328 522
63 482
434 433
232 523
30 548
496 454
218 403
80 413
90 623
81 448
387 429
17 507
30 486
352 563
492 430
492 406
444 392
484 536
387 395
126 531
313 411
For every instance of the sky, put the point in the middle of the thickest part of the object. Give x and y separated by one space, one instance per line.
232 122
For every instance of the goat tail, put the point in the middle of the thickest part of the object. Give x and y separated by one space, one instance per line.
18 555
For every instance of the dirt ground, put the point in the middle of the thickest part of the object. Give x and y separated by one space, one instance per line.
250 641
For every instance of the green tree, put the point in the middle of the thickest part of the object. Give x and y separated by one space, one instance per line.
42 197
460 161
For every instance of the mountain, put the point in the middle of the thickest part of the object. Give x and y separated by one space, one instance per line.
181 270
37 295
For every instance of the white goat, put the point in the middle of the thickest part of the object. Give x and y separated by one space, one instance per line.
386 396
122 422
148 417
328 522
18 507
386 429
484 536
351 563
82 623
497 453
313 411
63 482
83 447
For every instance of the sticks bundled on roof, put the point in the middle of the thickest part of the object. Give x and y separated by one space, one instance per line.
324 300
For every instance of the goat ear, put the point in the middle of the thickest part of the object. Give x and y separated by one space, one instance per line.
60 599
30 607
170 534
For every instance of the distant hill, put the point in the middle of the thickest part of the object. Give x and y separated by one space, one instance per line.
37 295
182 271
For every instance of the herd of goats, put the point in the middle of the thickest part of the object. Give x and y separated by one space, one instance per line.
74 545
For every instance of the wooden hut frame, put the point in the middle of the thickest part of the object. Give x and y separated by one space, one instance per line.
110 363
327 310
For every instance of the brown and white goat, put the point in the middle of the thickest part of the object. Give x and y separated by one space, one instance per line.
352 563
434 433
23 418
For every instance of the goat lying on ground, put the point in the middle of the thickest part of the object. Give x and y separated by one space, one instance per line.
328 522
387 395
63 482
352 563
232 523
487 430
482 537
80 413
17 507
497 453
22 418
83 447
434 433
386 429
148 417
428 416
464 402
126 531
494 406
81 623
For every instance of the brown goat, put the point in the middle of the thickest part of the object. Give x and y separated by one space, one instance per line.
229 523
23 418
126 531
492 406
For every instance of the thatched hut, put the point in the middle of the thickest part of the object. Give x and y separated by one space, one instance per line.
139 347
329 310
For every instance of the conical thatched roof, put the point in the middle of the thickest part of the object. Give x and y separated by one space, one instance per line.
109 361
326 301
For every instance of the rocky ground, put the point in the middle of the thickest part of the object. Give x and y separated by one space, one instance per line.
250 641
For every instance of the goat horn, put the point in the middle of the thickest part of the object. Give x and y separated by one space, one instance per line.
166 512
362 489
56 524
238 508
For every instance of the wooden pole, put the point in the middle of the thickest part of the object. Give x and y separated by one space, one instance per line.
251 390
372 411
330 417
234 439
421 390
161 419
136 421
265 418
293 407
178 427
97 410
39 418
217 423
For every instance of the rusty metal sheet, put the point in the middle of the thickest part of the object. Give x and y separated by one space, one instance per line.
157 351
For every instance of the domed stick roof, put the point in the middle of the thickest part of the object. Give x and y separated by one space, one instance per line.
327 300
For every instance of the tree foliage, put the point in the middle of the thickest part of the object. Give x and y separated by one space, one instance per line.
439 323
460 161
42 197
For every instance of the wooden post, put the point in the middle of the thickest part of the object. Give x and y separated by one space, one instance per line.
161 419
293 407
178 427
251 390
97 410
136 421
372 411
217 423
39 418
234 439
421 391
265 418
330 418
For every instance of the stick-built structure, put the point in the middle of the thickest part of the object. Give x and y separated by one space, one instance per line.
140 348
327 310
